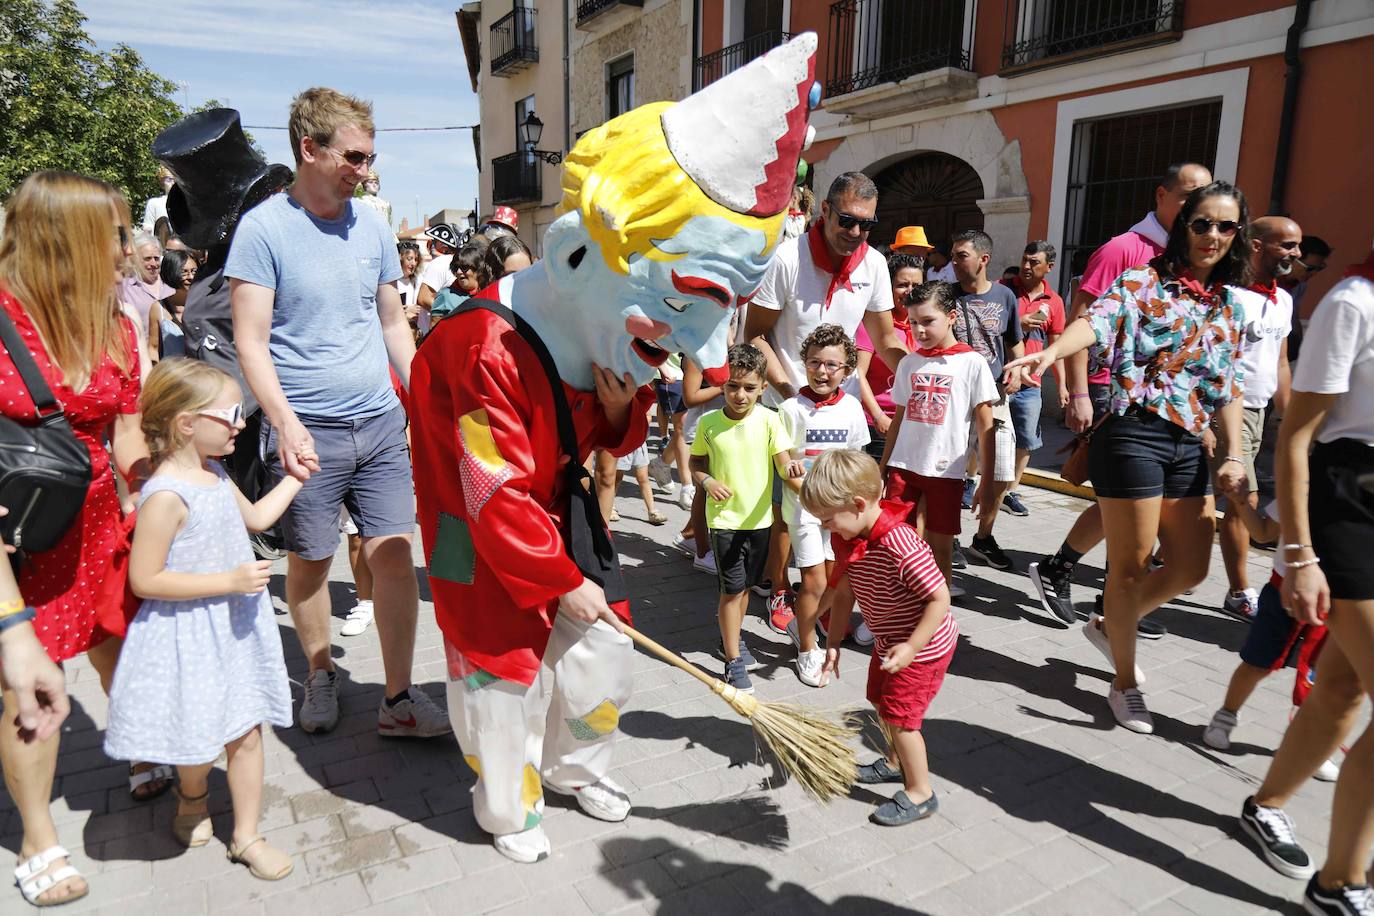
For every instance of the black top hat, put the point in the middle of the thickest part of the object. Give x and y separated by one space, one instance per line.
218 174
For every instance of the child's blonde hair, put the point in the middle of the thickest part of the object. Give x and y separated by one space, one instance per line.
836 477
175 387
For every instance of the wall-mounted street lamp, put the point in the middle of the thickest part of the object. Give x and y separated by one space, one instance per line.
531 129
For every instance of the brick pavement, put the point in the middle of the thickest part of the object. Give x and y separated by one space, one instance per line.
1046 807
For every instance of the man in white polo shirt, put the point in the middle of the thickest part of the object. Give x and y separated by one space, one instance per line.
829 275
1274 242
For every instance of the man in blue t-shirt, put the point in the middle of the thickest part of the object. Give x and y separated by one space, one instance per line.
986 319
316 320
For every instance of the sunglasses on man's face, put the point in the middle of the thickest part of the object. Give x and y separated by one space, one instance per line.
230 415
849 222
353 157
1202 226
1312 268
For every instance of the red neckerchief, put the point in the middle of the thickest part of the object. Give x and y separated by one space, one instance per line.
839 273
834 397
1208 297
1270 292
848 552
796 212
959 347
1364 269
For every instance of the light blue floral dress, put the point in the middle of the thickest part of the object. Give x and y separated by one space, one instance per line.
195 675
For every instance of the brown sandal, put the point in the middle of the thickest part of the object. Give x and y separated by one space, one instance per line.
192 830
268 863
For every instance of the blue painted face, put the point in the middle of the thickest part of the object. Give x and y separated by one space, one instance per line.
633 323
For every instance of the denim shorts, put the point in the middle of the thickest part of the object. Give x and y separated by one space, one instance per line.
364 467
669 395
1273 638
1139 455
1025 418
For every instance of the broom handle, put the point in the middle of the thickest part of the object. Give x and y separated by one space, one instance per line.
668 655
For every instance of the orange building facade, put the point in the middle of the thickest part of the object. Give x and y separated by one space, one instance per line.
1052 119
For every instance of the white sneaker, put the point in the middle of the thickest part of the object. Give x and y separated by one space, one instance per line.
1129 708
660 472
809 666
685 494
1098 637
686 545
863 635
1329 771
526 847
417 716
320 707
603 799
358 619
707 563
1218 732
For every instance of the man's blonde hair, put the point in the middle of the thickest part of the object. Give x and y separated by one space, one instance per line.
837 476
319 112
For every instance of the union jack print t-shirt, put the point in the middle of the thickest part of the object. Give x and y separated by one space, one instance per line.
935 398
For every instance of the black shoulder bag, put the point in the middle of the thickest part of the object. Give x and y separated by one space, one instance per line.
587 538
45 471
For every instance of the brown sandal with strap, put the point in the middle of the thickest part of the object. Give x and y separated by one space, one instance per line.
268 863
192 830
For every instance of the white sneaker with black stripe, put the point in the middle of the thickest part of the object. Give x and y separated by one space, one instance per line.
1346 900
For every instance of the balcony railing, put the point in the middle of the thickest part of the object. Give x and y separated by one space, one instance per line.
590 9
883 41
1042 34
515 178
711 67
513 46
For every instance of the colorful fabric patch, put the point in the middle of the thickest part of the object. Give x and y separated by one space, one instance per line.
479 680
531 796
453 557
473 764
596 724
482 469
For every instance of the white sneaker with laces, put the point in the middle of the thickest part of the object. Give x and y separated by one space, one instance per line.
1329 771
1129 708
685 494
358 619
604 800
863 635
1098 637
320 707
1217 734
809 666
526 847
706 563
417 716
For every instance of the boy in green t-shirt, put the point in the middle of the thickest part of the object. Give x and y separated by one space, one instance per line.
733 456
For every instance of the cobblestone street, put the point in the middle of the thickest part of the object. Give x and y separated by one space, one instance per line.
1045 805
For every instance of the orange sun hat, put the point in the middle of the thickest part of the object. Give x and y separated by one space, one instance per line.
912 237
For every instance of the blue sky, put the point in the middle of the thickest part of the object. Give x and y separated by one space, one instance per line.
255 55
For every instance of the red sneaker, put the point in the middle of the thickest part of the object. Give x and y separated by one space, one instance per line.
824 624
780 610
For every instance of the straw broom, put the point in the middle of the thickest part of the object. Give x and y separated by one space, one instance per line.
813 748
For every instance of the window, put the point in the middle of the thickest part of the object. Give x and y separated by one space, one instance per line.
620 86
523 109
1114 167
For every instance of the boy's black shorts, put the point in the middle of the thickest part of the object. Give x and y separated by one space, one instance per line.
740 558
1272 637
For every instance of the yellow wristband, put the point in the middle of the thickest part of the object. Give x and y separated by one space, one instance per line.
12 606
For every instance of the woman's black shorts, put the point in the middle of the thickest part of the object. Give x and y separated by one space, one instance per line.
1340 509
1139 454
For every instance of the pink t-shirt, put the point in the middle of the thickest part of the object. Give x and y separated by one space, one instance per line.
1135 247
879 376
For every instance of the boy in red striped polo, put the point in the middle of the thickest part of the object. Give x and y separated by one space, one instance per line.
882 561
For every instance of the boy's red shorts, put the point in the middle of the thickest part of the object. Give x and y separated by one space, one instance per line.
903 698
944 496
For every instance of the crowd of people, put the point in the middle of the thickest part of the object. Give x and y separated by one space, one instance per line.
867 401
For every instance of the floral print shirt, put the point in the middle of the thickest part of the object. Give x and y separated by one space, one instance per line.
1170 351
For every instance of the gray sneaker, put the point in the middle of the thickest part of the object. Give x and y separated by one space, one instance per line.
320 708
737 675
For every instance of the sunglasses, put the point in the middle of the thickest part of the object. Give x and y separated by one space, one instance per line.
849 222
353 157
1202 226
1312 268
230 415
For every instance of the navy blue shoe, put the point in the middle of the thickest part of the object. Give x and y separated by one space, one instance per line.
1012 503
902 810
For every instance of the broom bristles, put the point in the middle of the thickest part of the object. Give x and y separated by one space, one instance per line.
815 749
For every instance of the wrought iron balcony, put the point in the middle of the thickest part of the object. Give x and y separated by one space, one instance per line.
1039 34
515 178
588 10
513 46
711 67
882 41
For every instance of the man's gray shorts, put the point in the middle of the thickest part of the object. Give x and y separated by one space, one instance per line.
364 467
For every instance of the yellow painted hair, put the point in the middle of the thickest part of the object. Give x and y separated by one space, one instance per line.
631 191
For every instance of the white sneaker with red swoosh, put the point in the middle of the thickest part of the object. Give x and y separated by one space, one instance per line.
416 716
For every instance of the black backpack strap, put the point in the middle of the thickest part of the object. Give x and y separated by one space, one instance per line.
19 354
589 540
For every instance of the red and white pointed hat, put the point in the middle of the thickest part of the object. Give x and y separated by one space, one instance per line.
740 138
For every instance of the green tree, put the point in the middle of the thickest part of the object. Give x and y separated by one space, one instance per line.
64 104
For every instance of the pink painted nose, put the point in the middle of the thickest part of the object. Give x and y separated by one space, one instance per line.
647 328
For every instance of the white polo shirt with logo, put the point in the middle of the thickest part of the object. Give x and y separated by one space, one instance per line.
795 288
1267 325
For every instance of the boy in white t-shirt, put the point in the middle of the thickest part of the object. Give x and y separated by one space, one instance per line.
820 417
939 390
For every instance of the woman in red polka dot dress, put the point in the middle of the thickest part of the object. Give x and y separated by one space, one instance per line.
64 237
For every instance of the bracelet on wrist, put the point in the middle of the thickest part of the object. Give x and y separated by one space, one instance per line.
1236 458
12 606
14 620
1077 396
1298 565
1295 547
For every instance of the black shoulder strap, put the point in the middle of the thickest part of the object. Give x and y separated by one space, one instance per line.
33 379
